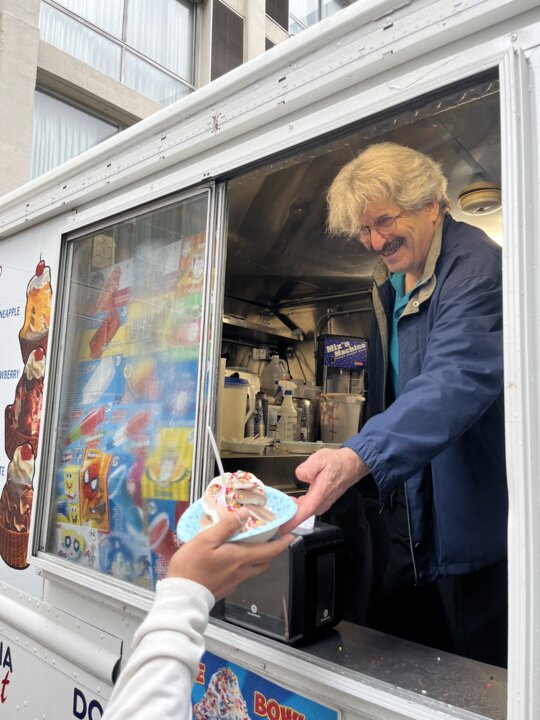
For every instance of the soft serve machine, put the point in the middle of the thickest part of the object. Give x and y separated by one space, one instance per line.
340 364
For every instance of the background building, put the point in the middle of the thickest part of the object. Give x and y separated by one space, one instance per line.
74 72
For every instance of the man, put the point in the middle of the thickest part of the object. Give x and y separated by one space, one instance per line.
167 647
434 444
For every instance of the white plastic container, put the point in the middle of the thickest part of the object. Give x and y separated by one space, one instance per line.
275 370
340 415
286 424
238 405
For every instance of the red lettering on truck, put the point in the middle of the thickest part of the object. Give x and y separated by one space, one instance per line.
272 710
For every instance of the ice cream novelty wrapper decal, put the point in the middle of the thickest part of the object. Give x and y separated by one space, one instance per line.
124 471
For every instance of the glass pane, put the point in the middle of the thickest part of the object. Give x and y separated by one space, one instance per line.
295 27
79 41
163 30
305 11
151 82
106 14
61 131
330 7
127 403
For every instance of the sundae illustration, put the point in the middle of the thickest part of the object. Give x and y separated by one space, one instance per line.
16 506
223 700
23 416
34 333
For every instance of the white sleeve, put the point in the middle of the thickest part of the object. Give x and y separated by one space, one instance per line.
158 677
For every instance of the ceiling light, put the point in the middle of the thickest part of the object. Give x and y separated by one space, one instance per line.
480 198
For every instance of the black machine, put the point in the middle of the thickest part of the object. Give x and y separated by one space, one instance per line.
301 596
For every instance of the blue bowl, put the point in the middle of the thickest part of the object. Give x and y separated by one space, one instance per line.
282 505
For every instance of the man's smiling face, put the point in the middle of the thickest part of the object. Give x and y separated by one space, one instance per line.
404 246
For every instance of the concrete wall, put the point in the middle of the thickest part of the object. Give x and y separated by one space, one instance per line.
19 47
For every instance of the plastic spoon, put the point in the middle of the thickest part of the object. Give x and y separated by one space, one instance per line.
220 497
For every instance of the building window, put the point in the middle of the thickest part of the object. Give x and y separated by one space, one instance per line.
303 13
61 131
227 40
278 11
146 44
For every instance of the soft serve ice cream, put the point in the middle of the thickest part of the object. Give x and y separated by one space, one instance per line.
15 507
37 313
223 700
242 489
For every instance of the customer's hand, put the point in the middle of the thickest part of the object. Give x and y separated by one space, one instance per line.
220 565
329 473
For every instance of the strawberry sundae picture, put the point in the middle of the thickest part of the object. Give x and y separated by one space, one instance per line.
23 416
16 506
34 333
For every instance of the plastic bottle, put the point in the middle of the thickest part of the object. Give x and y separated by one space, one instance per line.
286 424
275 370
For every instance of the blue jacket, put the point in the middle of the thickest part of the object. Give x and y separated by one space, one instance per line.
444 434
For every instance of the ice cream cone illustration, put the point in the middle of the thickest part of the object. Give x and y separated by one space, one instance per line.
23 416
35 331
16 506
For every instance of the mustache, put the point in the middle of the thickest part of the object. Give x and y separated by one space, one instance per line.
391 246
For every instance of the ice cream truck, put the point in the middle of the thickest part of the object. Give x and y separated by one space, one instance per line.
192 247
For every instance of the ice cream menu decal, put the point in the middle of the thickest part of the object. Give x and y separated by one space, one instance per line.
225 690
22 416
127 405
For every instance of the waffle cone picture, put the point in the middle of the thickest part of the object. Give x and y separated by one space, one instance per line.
14 438
28 345
14 548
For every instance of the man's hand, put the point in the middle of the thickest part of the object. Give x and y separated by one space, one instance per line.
219 565
329 473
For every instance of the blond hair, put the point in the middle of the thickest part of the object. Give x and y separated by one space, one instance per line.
384 172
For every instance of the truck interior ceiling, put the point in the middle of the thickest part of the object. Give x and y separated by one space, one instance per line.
287 277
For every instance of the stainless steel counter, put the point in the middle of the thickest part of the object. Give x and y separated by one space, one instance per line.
375 659
451 679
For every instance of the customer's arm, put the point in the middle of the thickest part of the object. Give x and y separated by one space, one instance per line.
167 647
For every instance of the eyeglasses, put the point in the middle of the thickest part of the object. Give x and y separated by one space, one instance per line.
384 225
